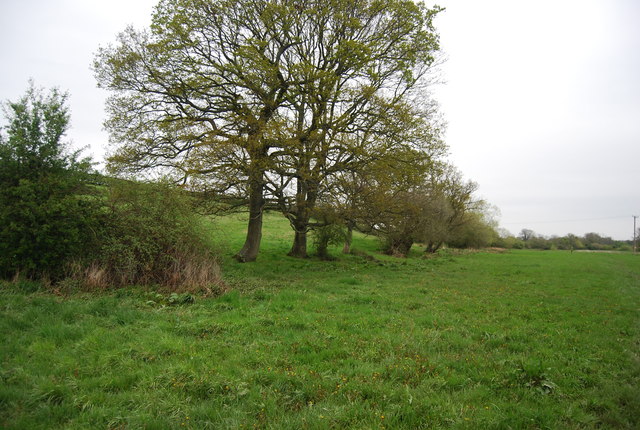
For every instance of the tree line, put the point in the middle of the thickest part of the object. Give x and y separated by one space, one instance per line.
317 109
529 239
62 221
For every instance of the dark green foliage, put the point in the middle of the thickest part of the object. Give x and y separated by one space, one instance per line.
45 202
55 220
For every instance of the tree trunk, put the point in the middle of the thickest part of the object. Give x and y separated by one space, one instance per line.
346 249
305 202
433 247
299 248
404 247
322 249
400 247
251 247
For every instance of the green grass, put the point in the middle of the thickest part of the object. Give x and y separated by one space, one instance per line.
518 340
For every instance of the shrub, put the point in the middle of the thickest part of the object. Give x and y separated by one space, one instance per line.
331 234
57 221
46 202
150 235
474 232
515 243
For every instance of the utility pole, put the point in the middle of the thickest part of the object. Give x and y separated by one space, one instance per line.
635 246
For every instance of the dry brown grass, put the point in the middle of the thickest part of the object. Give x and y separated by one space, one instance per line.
176 271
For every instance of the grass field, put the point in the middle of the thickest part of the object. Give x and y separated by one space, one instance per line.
517 340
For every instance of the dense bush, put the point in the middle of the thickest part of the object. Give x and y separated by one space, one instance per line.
149 235
57 219
509 242
46 201
474 232
330 234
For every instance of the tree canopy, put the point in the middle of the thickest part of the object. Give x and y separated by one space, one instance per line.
247 97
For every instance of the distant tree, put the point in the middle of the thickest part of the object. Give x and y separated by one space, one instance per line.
475 232
436 226
405 199
377 197
568 242
449 191
503 232
385 199
478 228
526 234
539 242
46 214
597 242
510 242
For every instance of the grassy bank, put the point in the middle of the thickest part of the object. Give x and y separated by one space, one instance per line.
523 339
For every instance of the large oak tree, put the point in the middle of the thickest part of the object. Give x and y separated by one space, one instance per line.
195 94
235 93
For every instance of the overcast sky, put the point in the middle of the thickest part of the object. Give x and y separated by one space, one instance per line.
542 98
